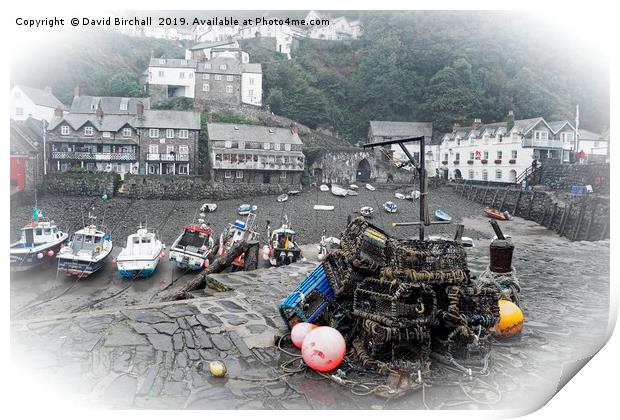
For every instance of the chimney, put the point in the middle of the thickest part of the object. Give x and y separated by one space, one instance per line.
510 120
294 128
210 117
455 127
48 89
140 109
477 123
58 112
76 91
99 112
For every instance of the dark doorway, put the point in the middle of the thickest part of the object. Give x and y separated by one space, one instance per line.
266 178
457 174
363 171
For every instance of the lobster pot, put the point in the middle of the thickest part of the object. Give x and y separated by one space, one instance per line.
341 275
440 255
367 243
309 300
394 304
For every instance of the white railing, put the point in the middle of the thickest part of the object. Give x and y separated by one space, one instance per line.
115 156
550 143
167 157
257 165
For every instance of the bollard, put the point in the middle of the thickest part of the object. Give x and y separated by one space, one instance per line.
500 250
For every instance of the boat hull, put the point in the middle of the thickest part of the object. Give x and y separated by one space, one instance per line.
23 259
494 214
137 268
187 261
79 268
440 215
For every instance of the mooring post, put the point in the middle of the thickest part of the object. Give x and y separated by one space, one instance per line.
517 203
501 206
484 198
589 229
529 207
567 216
494 197
582 212
555 211
500 251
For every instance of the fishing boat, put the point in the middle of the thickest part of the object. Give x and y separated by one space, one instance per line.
85 252
40 241
352 192
324 188
282 248
236 232
466 241
495 214
208 207
282 198
323 207
339 191
442 215
353 187
390 207
293 192
367 211
370 187
327 246
245 209
141 254
192 249
399 196
414 195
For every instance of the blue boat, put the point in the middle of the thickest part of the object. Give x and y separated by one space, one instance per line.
390 206
442 215
245 209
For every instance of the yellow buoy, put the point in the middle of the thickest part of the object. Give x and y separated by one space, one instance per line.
510 319
217 368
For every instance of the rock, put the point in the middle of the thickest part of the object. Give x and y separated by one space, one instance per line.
166 327
192 321
176 388
189 340
179 310
203 338
193 355
142 328
240 344
221 342
182 323
161 342
231 306
237 321
177 339
149 379
181 359
122 335
149 316
209 320
120 393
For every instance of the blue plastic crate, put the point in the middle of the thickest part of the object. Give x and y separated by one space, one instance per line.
579 189
309 299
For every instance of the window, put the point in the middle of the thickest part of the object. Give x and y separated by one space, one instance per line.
498 174
541 135
153 149
127 132
471 174
205 87
471 155
227 174
154 133
287 147
485 139
191 74
170 149
229 78
486 155
457 156
251 81
229 89
162 61
123 106
485 175
276 146
207 66
239 175
515 136
88 131
150 76
282 175
106 134
241 145
205 76
251 92
181 75
19 111
183 170
222 66
169 133
183 134
218 77
64 130
161 73
514 154
184 149
499 154
445 156
266 146
228 144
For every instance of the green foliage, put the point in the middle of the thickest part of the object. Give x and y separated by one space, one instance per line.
176 104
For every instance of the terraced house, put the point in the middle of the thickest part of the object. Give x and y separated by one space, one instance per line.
122 135
255 154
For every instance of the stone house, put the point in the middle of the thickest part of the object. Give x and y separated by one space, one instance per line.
219 80
26 148
169 78
28 102
242 153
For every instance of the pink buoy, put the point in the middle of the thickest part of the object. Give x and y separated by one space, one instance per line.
114 260
323 349
206 264
50 253
300 331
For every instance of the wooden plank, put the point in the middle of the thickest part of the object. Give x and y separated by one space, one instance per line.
529 207
604 231
517 203
555 211
501 206
494 198
566 218
542 222
484 197
591 221
582 212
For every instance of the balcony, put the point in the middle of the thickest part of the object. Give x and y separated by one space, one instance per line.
548 144
167 157
258 166
95 156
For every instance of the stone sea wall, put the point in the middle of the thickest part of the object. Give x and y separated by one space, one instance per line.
80 184
562 177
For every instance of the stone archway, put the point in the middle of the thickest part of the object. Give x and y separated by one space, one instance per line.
363 171
457 174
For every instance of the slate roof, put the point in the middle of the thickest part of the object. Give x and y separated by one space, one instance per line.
188 120
590 135
172 62
109 104
42 97
558 125
232 66
257 133
251 68
26 135
401 129
520 126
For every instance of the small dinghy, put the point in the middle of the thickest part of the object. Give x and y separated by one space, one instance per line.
494 214
352 192
323 207
282 198
324 188
370 187
208 208
339 191
40 241
245 209
328 246
293 192
399 196
390 207
353 187
465 240
86 251
141 255
367 212
414 195
442 215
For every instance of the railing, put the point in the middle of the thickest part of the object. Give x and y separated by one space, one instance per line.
552 143
167 157
97 156
258 165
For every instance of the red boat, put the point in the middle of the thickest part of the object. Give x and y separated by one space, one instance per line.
494 214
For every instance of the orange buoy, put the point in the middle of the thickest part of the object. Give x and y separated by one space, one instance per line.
510 319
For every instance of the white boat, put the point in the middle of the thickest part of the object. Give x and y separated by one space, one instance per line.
324 188
39 242
414 195
465 240
370 187
141 255
390 207
353 187
327 246
367 211
208 208
282 248
245 209
86 251
235 233
339 191
352 192
323 207
399 196
282 198
293 192
192 249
